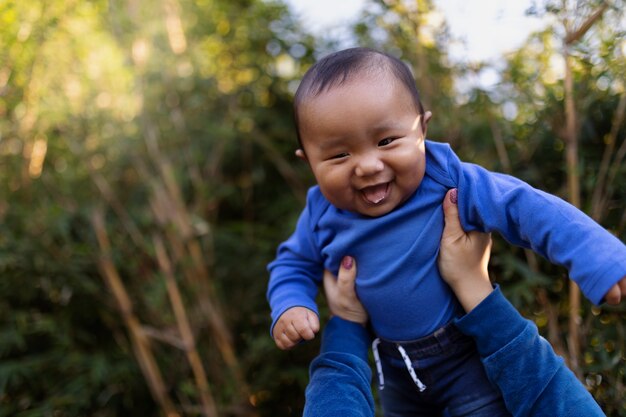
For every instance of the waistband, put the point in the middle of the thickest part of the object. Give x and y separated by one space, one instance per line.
433 344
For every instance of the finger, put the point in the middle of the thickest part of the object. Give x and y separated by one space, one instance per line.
330 282
278 331
450 202
292 332
347 274
614 295
314 323
304 330
283 342
451 214
280 338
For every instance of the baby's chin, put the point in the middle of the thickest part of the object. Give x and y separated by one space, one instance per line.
364 206
373 211
380 210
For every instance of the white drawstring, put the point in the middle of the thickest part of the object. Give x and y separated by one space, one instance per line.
409 367
407 362
379 368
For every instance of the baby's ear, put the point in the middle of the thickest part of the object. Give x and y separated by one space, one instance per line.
300 154
427 117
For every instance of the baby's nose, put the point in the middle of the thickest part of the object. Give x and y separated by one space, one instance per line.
369 165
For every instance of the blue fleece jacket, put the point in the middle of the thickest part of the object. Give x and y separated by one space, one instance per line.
340 376
534 381
399 283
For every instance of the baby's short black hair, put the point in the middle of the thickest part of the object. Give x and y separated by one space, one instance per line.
339 67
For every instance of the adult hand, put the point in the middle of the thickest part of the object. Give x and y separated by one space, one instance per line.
464 257
340 293
617 292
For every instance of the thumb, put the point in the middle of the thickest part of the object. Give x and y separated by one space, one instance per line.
314 321
451 215
347 274
614 295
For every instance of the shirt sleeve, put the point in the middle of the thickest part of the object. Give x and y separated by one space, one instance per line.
533 379
340 375
548 225
296 273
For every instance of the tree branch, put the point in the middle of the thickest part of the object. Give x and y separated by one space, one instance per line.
573 37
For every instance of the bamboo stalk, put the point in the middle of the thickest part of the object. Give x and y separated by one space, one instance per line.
173 200
617 162
573 180
283 166
163 336
183 241
198 275
499 143
169 199
174 27
209 304
140 343
109 196
600 192
184 328
573 186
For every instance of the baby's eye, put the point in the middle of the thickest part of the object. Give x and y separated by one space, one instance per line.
386 141
339 156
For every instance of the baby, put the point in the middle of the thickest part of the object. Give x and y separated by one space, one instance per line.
361 127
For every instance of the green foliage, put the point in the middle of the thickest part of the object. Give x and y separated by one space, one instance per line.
176 119
57 352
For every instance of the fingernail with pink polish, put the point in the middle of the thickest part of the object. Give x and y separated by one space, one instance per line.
347 262
453 196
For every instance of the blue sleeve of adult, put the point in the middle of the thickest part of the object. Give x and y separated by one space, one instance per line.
533 379
296 273
340 376
531 218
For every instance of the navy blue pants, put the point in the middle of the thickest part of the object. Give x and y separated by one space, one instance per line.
448 378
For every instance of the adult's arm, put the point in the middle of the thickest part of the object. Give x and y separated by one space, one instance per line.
534 381
340 375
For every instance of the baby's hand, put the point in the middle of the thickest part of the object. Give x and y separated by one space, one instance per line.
617 292
295 325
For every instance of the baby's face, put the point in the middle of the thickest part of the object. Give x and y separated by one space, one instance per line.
365 144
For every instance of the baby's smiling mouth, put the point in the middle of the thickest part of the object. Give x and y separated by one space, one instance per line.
376 193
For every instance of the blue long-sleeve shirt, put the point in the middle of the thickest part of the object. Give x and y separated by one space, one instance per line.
534 381
399 283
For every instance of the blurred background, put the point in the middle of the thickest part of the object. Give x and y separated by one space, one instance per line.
147 175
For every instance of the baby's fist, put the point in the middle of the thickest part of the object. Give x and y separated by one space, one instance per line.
295 325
